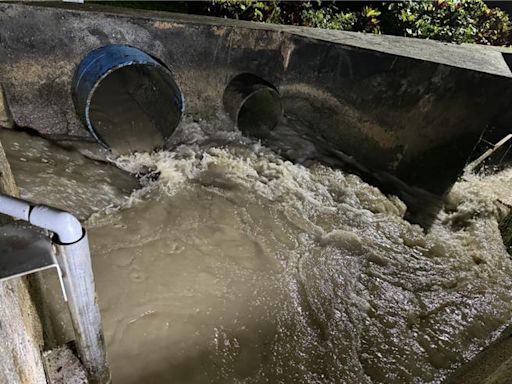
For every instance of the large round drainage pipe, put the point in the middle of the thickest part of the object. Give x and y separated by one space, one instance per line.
128 100
253 104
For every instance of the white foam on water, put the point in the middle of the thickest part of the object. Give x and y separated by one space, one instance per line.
237 266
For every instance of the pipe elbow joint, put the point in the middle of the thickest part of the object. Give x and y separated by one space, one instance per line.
63 224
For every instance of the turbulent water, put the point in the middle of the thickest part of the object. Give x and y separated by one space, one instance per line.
231 265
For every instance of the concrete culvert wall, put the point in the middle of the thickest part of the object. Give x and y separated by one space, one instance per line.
253 104
127 99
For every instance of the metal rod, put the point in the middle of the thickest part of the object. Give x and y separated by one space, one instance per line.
471 166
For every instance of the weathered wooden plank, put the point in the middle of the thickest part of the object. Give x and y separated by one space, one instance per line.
20 332
6 120
7 182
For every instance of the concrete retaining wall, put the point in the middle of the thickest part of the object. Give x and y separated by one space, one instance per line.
404 113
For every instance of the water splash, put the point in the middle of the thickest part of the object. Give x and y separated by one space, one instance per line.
236 266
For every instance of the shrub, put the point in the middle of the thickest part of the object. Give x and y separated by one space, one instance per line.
329 18
266 11
459 21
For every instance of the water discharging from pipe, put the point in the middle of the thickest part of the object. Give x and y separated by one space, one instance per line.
128 100
239 267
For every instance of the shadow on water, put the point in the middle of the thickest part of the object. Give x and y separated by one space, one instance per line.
293 140
316 127
230 356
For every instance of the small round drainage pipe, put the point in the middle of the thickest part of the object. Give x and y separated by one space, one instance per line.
127 99
253 104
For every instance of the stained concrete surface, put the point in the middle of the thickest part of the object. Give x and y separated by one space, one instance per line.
399 111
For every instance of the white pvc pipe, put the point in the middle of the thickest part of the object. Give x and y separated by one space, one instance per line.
75 260
83 307
64 224
13 207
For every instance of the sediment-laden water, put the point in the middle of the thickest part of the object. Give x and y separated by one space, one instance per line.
231 265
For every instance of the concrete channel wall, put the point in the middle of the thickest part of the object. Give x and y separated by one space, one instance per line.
404 113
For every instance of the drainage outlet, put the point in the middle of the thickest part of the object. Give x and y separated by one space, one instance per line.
253 104
128 100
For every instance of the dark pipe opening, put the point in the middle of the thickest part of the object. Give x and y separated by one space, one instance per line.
253 104
128 100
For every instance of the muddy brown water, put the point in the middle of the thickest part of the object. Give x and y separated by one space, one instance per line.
236 266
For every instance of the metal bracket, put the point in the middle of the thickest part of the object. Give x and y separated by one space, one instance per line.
25 250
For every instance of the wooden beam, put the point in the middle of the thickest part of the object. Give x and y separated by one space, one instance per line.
474 164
